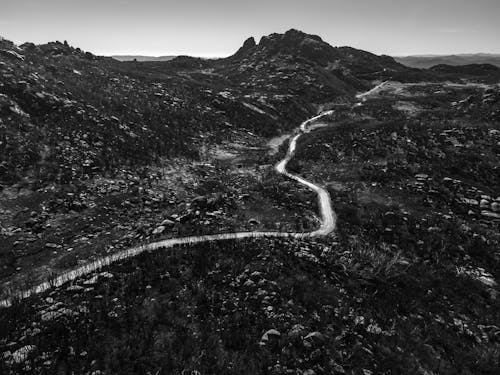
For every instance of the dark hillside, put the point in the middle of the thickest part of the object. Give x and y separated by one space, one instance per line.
67 113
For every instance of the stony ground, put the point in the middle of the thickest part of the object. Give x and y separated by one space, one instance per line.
272 307
97 156
59 227
409 284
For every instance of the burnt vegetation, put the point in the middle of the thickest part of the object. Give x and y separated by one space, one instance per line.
98 155
263 307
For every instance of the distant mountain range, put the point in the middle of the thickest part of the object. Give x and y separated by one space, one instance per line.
142 58
427 61
413 61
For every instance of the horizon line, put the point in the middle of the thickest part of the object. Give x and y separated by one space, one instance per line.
158 54
223 55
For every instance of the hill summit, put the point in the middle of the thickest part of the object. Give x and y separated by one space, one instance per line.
314 49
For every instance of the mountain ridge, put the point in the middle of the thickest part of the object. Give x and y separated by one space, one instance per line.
158 107
428 61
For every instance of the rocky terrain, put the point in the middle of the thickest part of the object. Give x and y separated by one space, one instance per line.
98 155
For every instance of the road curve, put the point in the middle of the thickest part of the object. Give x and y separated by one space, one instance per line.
328 225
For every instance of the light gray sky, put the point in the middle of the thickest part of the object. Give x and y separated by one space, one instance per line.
219 27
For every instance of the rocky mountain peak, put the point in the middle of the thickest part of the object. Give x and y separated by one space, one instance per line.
289 40
248 45
294 35
311 50
294 43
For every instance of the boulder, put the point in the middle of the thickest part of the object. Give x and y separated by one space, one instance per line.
489 214
53 315
484 203
249 284
21 355
12 54
315 337
184 218
297 332
471 202
159 230
253 221
167 223
422 177
106 275
256 275
272 334
91 281
199 201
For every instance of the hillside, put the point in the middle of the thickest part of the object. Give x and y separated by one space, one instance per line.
159 109
88 139
295 208
485 72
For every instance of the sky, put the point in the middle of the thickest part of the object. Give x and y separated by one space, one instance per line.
217 28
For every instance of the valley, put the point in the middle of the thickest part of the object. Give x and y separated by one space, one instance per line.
327 226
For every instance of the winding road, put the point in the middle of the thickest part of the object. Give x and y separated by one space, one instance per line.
328 224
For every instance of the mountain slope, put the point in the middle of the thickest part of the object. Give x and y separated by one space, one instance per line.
342 68
68 114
